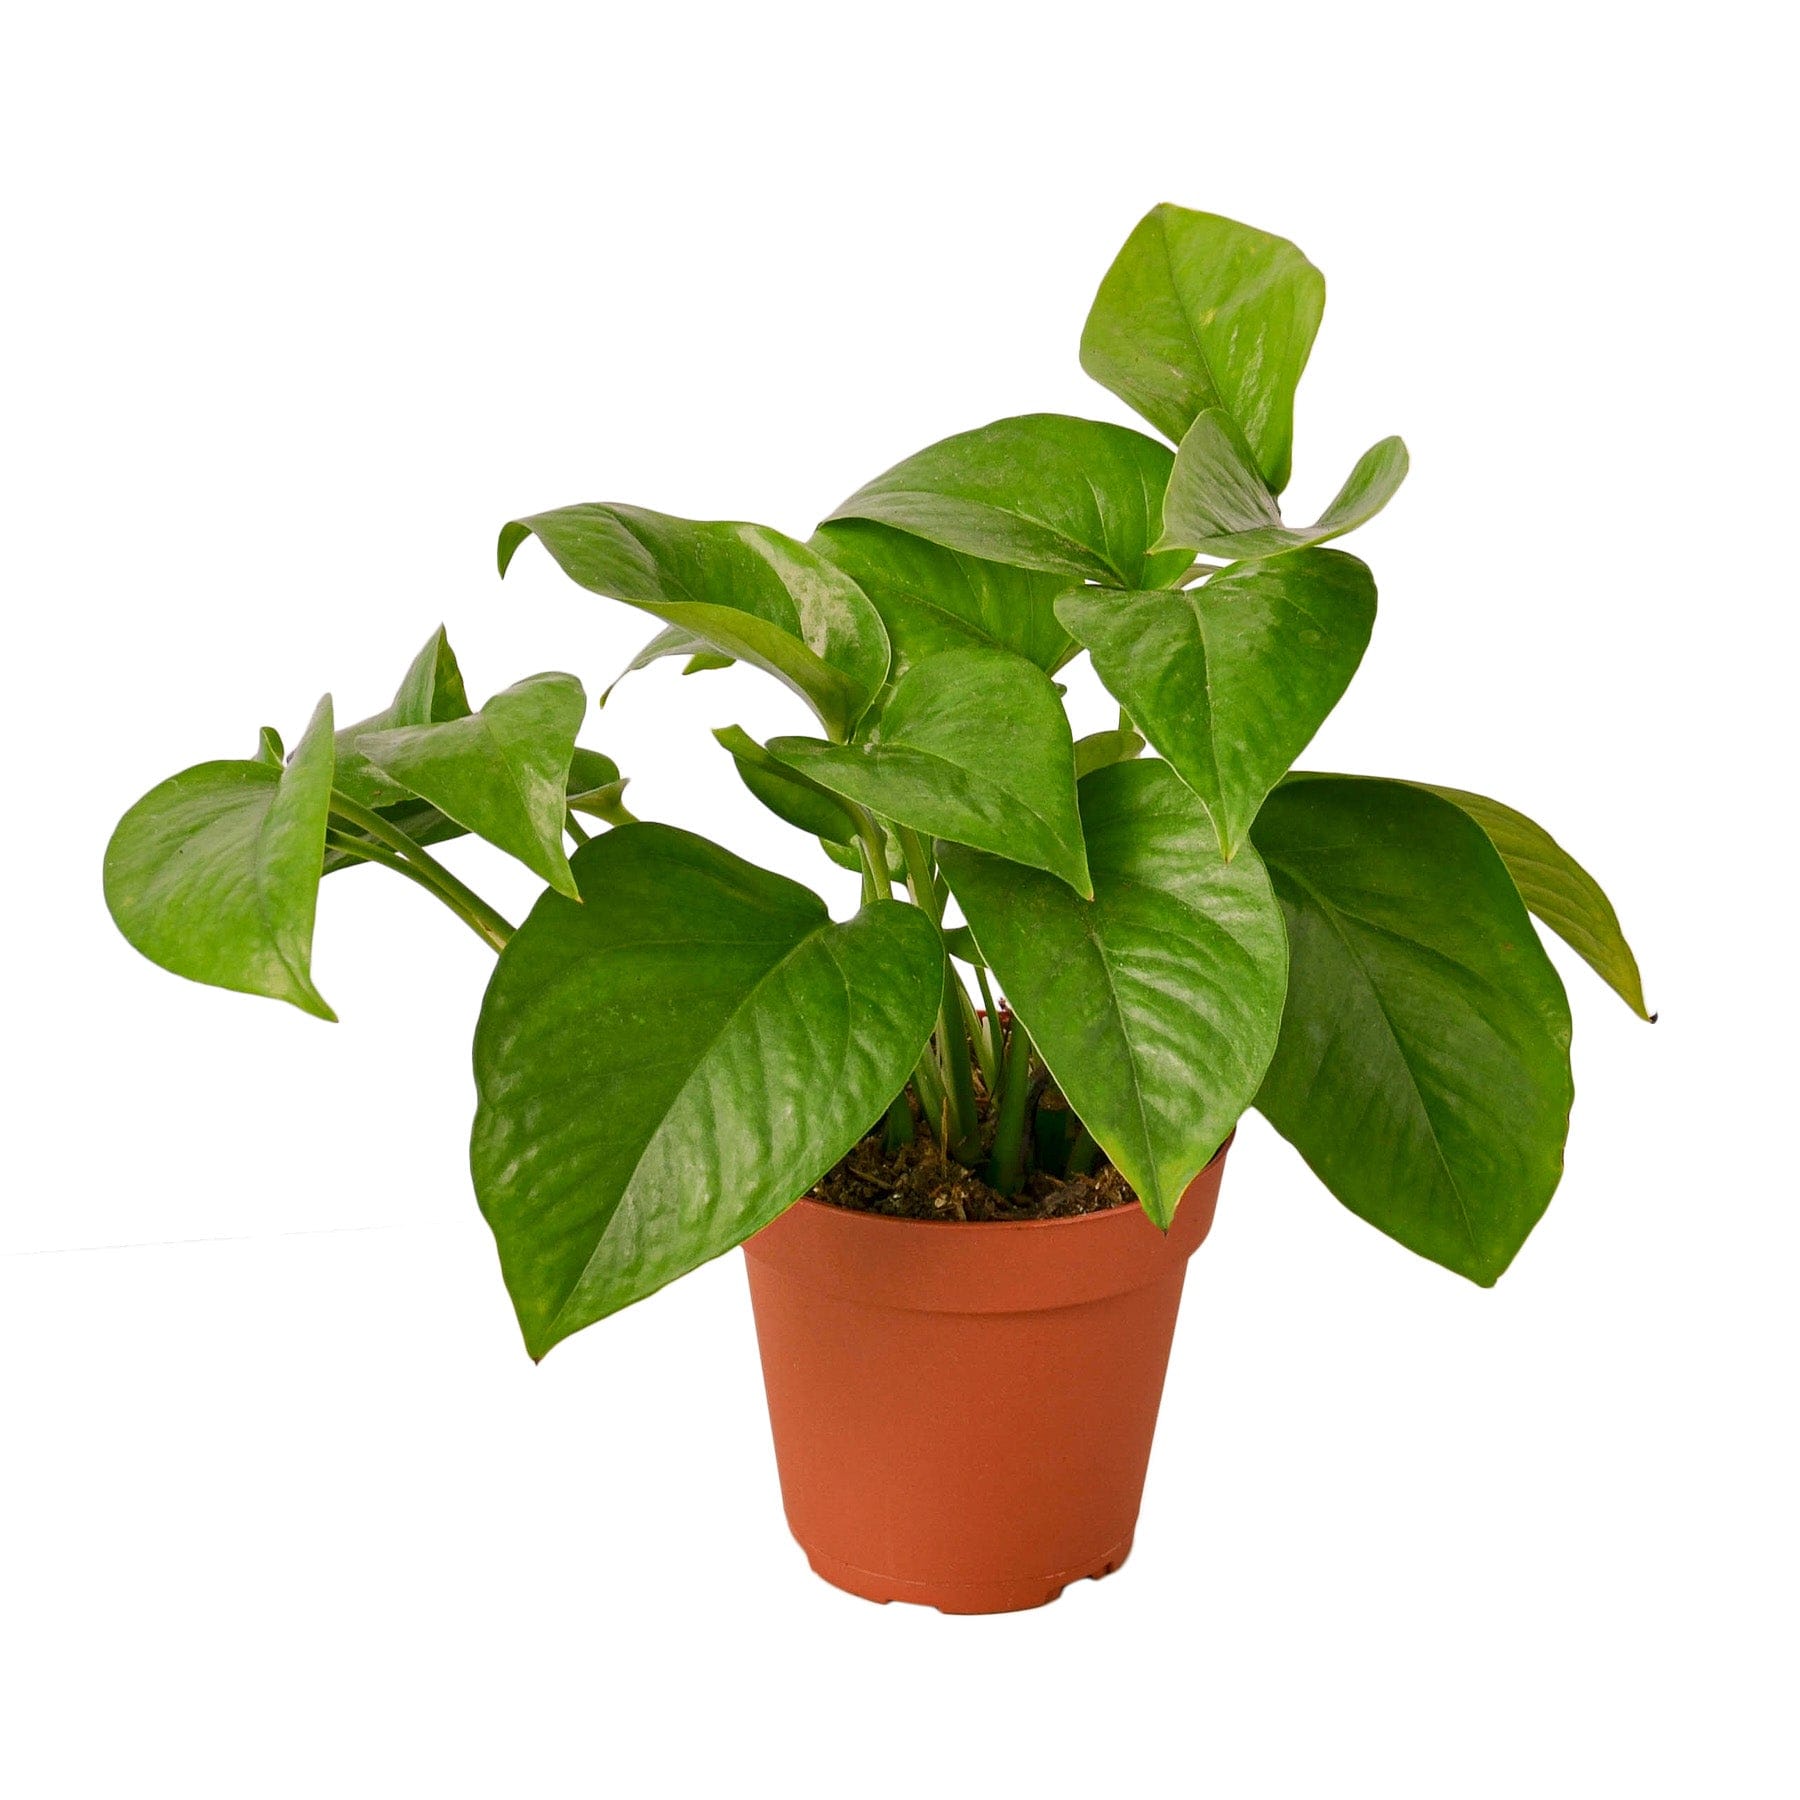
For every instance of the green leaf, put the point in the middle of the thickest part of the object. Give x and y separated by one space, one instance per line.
215 874
959 940
1230 680
672 640
269 747
1217 505
431 692
788 794
1073 497
595 786
502 772
1198 311
1423 1070
932 599
742 590
937 765
1559 891
664 1069
1156 1004
1099 748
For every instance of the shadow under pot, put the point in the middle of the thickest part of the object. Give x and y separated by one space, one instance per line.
963 1412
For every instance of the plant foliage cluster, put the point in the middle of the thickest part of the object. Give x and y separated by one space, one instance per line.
676 1043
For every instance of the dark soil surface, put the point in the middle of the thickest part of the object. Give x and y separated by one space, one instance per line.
918 1182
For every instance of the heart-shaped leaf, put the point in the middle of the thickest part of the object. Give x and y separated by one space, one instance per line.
1156 1004
1198 311
1217 504
1559 891
932 599
742 590
664 1069
215 874
502 773
1073 497
430 693
1231 679
788 794
1423 1070
934 766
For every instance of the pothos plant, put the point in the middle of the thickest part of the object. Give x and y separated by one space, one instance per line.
676 1044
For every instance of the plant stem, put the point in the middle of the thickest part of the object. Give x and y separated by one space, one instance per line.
928 1078
959 1074
573 826
984 1049
899 1123
1082 1153
1006 1166
874 852
918 874
995 1036
493 926
364 851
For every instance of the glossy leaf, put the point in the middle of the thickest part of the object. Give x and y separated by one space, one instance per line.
1423 1070
664 1069
215 874
672 640
1073 497
938 767
932 599
596 788
502 772
1198 311
1231 680
1559 891
1156 1004
1099 748
431 692
269 747
1217 505
788 794
742 590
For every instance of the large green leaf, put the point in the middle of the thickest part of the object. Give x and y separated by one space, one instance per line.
932 599
788 794
1199 311
1231 679
742 590
1217 503
502 772
430 693
1156 1004
1073 497
1559 891
975 747
1423 1070
663 1070
215 874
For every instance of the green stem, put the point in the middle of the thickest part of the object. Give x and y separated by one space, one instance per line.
1006 1167
985 1059
573 826
928 1078
874 853
1082 1152
494 927
918 874
364 851
996 1038
959 1073
899 1123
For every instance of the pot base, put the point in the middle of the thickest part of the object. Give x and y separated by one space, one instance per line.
1018 1595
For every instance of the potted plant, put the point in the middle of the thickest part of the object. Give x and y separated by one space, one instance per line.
967 1159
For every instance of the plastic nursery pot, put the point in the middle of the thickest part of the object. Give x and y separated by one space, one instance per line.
963 1413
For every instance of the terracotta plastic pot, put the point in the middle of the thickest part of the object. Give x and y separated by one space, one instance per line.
963 1413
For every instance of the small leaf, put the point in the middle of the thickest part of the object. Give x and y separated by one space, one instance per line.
1423 1070
672 640
269 748
932 599
1073 497
664 1069
502 772
1217 505
430 693
214 875
1198 311
1099 748
1559 891
1231 680
788 794
595 787
935 767
741 590
1156 1004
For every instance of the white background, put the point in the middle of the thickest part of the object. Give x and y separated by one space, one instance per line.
303 304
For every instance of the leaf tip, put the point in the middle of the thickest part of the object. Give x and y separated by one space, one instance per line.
512 535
